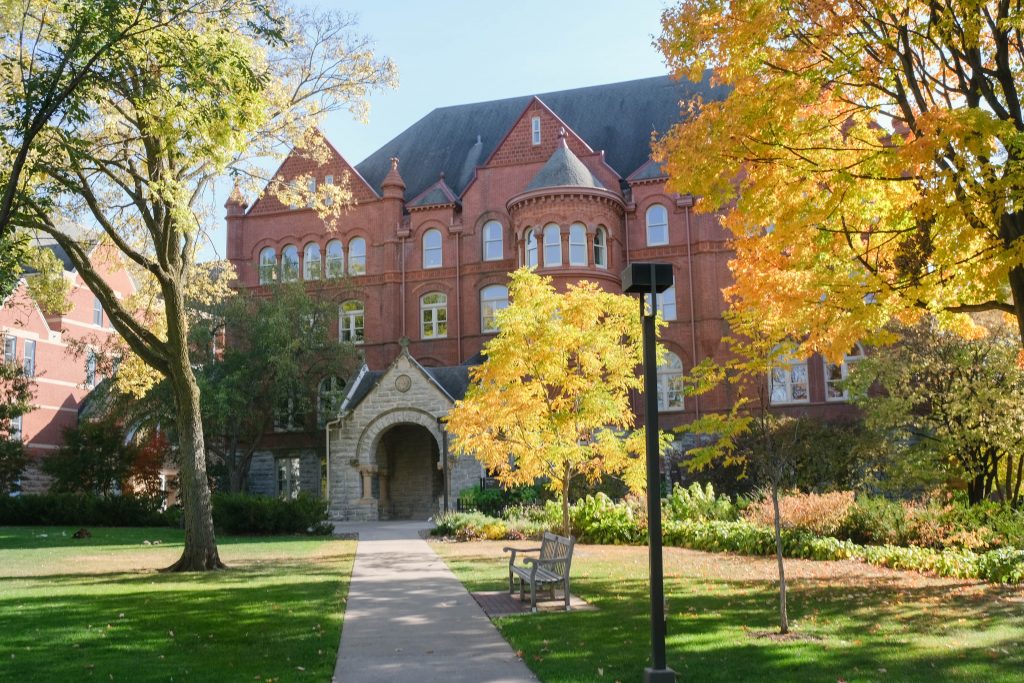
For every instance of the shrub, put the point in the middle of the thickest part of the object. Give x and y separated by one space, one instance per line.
82 509
820 513
493 501
597 519
697 503
876 520
244 514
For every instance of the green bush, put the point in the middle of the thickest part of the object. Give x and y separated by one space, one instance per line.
244 514
493 501
82 509
697 502
878 521
597 519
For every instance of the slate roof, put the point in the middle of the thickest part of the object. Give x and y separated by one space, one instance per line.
364 383
454 379
652 170
437 194
563 169
617 118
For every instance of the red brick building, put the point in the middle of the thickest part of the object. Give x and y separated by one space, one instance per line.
49 346
446 210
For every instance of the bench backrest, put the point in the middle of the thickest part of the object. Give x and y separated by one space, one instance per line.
558 548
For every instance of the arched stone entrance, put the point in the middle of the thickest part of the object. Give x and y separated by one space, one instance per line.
410 481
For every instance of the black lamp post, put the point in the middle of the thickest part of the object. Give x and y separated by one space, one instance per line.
652 278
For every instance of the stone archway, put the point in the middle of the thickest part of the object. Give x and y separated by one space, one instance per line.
409 480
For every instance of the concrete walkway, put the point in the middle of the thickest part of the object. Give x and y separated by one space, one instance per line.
408 617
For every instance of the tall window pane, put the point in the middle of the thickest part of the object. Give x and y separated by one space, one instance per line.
577 245
657 225
552 246
290 263
601 247
97 312
432 249
357 256
29 361
434 315
670 383
492 299
493 243
10 349
350 322
531 248
268 266
788 382
311 264
335 259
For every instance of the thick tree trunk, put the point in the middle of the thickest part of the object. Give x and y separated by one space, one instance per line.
1011 229
783 612
200 553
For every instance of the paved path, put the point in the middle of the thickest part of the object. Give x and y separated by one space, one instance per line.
409 619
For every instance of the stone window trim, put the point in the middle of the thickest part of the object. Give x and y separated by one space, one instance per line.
351 321
433 252
835 374
434 315
552 245
656 221
788 383
312 264
267 266
493 241
493 298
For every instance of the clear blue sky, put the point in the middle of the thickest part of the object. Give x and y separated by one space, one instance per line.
458 51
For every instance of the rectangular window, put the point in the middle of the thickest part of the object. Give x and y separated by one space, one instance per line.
351 322
311 186
10 349
288 477
666 302
328 180
97 312
29 361
789 383
90 370
16 428
535 127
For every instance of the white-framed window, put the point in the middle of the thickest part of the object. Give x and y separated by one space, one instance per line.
494 247
432 257
97 312
357 256
288 475
335 260
28 362
10 349
601 247
535 129
657 225
328 180
329 395
577 244
492 299
90 369
311 263
666 302
552 245
268 265
290 263
531 248
350 322
433 315
835 374
788 383
670 383
16 428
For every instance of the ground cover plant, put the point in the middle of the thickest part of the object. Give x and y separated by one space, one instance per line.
97 608
850 621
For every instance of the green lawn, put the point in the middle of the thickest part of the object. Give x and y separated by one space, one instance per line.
97 609
860 623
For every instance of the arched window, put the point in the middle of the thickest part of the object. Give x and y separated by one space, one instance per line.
835 374
788 382
577 244
329 396
335 259
552 245
492 299
268 266
350 322
357 256
290 263
433 315
432 249
531 248
657 225
670 383
601 247
311 264
493 242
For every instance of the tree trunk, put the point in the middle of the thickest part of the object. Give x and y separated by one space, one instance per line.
200 552
1011 228
783 613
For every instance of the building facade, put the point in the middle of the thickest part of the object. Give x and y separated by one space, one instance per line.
563 182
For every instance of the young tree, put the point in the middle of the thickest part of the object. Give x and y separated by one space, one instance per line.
951 403
868 158
552 398
277 356
96 458
16 393
166 117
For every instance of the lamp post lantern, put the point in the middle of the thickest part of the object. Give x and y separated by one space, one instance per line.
652 278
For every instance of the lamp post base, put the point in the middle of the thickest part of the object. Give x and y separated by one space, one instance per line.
659 675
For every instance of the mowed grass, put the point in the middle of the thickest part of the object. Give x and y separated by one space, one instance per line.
98 609
856 622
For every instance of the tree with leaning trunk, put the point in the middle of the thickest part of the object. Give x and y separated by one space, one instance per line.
164 118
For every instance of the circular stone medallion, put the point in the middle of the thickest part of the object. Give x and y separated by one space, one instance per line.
403 383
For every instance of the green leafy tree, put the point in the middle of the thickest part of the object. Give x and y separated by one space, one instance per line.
552 399
96 458
167 115
950 404
16 393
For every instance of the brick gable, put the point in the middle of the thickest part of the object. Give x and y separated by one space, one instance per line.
517 147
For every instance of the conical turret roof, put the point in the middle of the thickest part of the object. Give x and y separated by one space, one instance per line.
564 169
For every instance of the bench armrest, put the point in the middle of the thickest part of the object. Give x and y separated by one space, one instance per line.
515 551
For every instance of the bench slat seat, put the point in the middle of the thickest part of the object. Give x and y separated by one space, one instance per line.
549 569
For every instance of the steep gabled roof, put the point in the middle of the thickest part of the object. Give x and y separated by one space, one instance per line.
438 194
617 118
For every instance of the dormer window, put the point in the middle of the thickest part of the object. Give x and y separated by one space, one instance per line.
535 127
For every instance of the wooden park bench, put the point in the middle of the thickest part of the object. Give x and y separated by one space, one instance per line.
551 567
